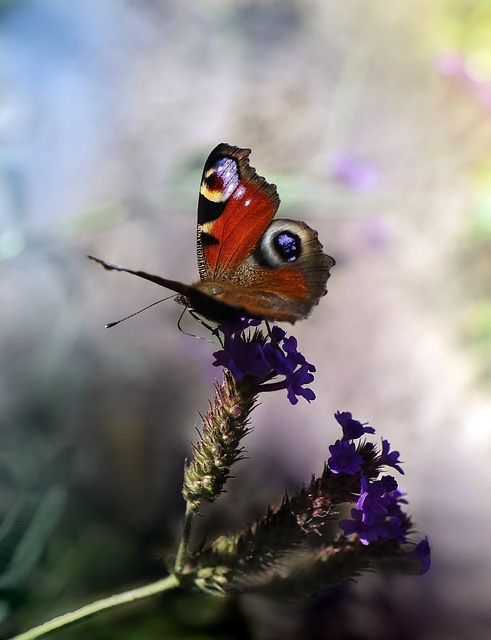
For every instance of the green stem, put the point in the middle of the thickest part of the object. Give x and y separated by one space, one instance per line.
171 582
183 545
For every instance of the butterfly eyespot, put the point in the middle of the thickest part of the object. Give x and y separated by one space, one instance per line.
288 245
282 243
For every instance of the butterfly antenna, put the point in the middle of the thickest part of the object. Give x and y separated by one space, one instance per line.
113 324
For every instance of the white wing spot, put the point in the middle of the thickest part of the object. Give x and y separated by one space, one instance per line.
239 193
226 169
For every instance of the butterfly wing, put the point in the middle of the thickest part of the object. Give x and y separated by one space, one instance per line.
178 287
204 302
283 279
234 209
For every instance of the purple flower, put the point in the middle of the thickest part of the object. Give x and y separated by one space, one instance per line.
390 458
378 497
290 344
277 360
242 359
264 358
373 501
378 514
298 377
277 334
422 554
235 327
295 387
352 429
390 485
367 533
344 458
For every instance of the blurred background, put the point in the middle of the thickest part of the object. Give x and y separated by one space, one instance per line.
374 120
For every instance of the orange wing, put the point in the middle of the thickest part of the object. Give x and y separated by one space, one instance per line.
234 209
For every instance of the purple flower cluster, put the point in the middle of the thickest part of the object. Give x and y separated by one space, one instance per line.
355 466
378 516
352 429
261 358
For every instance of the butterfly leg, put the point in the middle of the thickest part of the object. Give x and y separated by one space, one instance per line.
198 319
270 333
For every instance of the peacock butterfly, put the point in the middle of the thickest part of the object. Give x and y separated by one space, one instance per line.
250 264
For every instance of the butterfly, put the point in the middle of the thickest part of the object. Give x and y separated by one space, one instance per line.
251 265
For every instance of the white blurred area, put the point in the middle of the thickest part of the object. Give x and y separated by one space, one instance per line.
107 113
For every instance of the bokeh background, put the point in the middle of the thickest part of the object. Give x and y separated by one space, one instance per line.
374 120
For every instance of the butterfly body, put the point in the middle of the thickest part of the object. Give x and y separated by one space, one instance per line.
250 264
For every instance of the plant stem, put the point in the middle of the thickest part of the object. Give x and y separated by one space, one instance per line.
171 582
183 545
